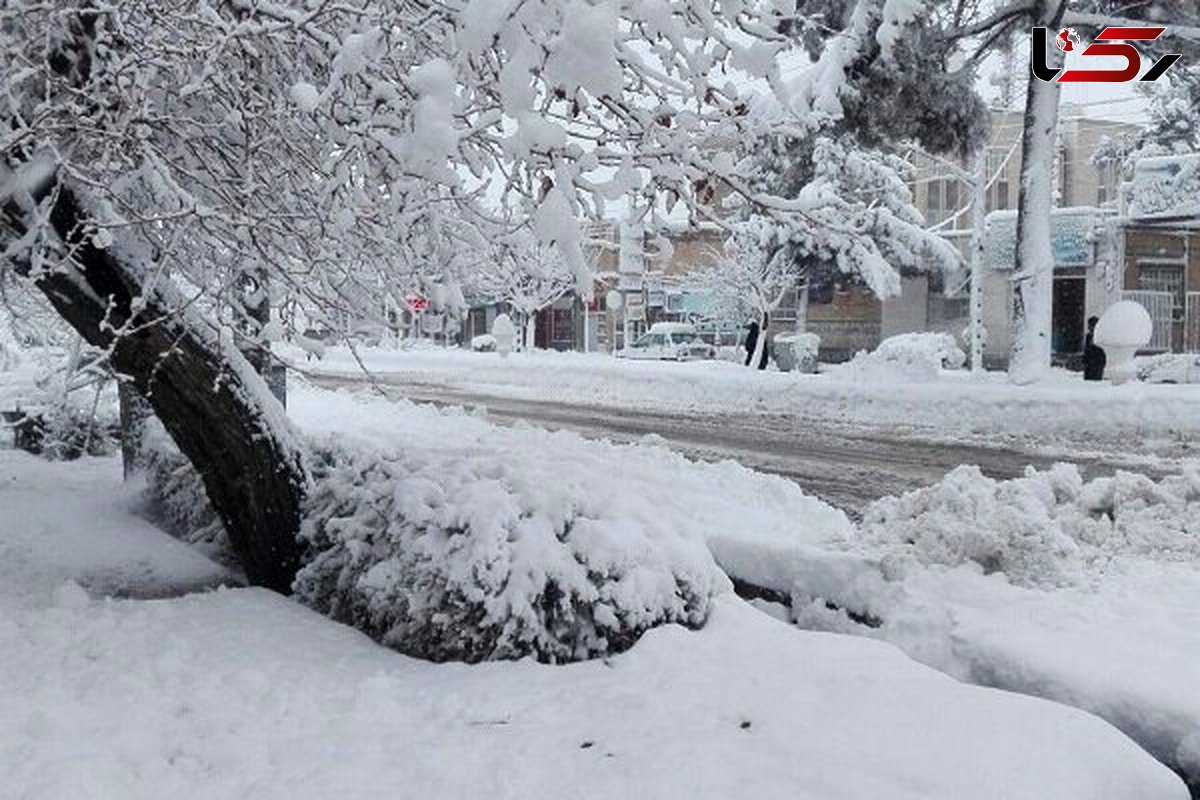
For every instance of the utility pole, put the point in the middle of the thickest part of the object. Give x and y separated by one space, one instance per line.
978 221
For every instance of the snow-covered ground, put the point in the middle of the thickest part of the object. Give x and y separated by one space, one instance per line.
1085 593
952 402
238 692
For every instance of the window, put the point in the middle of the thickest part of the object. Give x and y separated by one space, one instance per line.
1159 277
998 198
1106 184
1065 178
943 200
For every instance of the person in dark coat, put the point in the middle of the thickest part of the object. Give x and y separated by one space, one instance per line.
1094 358
752 341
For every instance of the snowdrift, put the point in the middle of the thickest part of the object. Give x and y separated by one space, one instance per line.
1045 529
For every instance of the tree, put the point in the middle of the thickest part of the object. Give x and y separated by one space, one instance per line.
528 276
896 70
155 157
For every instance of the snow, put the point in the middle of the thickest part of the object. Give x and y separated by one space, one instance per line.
1033 283
1124 324
953 403
1045 529
1086 593
77 522
241 692
495 551
305 96
1164 187
1168 368
911 356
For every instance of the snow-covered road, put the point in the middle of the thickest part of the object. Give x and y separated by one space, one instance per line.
843 464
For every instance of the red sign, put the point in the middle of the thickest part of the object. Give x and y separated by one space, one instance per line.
417 303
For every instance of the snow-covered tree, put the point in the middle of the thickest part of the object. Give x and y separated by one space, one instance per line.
749 278
164 160
852 190
527 275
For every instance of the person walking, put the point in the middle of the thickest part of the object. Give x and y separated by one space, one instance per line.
754 331
1094 358
751 340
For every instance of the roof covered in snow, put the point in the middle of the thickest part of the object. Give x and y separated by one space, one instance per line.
1165 187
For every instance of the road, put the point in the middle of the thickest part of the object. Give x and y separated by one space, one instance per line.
846 466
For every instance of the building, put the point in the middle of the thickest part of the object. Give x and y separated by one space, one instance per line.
1160 248
1087 233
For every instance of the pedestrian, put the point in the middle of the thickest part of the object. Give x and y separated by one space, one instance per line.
1094 358
751 340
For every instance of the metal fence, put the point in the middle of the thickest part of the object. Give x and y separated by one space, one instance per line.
1191 324
1161 307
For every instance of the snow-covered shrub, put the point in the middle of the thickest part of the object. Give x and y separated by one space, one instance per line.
484 561
1045 528
67 431
177 494
797 351
937 349
483 343
909 356
60 411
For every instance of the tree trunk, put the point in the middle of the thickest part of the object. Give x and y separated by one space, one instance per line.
134 413
1034 278
208 397
530 331
978 222
760 344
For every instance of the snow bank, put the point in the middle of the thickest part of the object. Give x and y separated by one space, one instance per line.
1087 593
1063 409
77 522
240 693
1048 528
1168 368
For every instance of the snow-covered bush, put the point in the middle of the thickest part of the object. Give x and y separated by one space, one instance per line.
1046 528
908 356
67 401
797 351
937 349
483 561
472 563
483 343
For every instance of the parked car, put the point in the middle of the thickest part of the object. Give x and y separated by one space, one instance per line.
670 341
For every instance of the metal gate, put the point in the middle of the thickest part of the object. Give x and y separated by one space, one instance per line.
1191 323
1161 307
